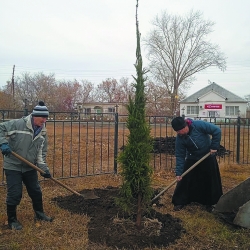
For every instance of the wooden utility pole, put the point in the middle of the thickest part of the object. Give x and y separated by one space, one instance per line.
13 84
13 90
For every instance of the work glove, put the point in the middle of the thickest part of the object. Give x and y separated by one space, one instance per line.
5 149
46 174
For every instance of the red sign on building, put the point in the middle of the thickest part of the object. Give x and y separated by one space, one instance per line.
213 106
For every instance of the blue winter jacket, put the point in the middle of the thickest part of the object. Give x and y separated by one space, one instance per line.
202 137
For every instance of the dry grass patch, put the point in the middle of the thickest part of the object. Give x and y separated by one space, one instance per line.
203 230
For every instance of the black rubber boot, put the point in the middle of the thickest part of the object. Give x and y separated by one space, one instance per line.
13 223
39 214
42 216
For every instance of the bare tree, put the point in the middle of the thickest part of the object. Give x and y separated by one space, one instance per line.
35 87
6 96
106 91
158 102
111 90
86 94
178 47
6 100
127 89
68 94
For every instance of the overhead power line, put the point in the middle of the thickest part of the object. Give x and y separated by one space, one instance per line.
238 68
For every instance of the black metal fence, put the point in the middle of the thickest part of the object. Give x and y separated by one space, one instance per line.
82 145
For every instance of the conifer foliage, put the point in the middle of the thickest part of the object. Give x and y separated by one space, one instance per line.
136 191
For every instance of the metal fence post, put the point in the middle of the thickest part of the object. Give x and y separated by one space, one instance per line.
3 113
116 143
238 141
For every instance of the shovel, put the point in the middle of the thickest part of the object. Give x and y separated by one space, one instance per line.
91 196
187 171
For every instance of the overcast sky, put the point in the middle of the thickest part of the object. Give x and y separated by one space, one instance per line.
96 39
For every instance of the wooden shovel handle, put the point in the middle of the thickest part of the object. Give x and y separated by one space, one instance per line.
187 171
42 172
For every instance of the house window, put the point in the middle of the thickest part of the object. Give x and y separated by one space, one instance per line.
192 110
232 110
87 111
111 110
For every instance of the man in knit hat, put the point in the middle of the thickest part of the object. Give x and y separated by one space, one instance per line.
28 138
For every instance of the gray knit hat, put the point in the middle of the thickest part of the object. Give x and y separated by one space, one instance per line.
40 110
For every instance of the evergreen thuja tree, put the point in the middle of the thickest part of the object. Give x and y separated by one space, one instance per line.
136 191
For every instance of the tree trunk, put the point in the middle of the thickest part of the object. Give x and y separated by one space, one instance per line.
139 213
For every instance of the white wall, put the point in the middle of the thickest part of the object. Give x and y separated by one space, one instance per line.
218 107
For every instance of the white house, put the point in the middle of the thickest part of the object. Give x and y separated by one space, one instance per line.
213 101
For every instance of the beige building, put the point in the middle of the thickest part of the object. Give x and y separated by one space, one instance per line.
100 111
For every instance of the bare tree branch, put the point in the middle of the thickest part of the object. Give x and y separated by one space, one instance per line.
178 48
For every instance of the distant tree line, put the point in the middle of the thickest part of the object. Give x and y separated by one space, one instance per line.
63 95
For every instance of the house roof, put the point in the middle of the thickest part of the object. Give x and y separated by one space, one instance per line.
217 89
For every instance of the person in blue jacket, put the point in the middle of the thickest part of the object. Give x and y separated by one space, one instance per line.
196 138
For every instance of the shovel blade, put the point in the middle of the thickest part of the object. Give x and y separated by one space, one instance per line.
89 195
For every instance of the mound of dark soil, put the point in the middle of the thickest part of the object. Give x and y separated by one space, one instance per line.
108 224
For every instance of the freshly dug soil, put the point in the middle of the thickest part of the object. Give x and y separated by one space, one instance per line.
111 227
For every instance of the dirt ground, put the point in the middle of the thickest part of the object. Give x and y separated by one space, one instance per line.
108 225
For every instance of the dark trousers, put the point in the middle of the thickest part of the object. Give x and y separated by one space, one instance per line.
202 184
15 180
